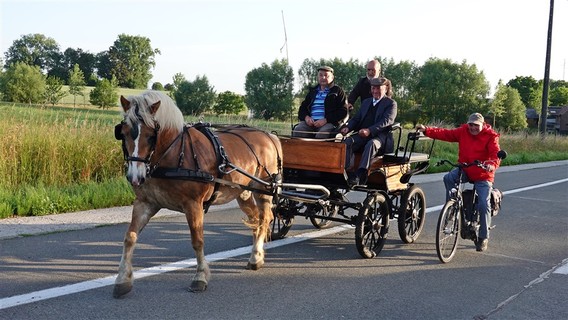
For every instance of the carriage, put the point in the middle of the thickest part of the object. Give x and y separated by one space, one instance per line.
316 185
188 167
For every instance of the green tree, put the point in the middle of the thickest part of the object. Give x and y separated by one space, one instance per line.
403 75
529 89
24 83
54 90
34 50
169 87
76 83
558 96
346 73
2 82
269 90
194 98
105 94
508 109
558 83
103 65
177 80
67 61
229 103
131 58
157 86
449 92
497 105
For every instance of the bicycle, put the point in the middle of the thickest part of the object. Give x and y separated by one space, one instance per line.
459 215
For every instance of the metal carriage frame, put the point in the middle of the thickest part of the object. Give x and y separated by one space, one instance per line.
316 184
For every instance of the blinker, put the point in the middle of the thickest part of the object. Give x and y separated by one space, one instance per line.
118 131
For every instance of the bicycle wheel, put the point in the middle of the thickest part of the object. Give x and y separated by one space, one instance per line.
372 225
447 231
412 214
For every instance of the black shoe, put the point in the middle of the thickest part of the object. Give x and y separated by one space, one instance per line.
481 244
362 176
353 181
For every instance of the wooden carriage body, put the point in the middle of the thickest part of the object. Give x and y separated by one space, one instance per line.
323 162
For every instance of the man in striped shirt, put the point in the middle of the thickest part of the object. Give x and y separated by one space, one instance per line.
323 108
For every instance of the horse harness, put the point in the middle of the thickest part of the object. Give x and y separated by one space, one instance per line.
225 166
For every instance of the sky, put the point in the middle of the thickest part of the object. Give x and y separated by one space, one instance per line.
225 39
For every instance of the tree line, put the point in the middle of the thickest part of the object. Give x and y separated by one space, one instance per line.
440 90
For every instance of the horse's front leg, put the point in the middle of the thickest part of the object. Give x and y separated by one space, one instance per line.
141 214
194 216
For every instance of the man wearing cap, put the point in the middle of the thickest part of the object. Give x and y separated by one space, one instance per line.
372 123
477 141
322 109
363 87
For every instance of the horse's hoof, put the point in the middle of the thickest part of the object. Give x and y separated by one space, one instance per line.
255 266
121 289
198 286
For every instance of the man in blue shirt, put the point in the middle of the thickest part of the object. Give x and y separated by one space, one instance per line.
322 109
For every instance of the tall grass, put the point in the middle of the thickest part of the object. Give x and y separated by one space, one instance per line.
56 146
65 159
50 159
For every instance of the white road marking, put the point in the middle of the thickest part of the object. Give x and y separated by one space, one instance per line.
563 269
183 264
107 281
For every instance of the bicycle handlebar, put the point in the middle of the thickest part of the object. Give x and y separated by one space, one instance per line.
477 163
502 154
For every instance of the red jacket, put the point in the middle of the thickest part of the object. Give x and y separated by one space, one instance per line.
482 147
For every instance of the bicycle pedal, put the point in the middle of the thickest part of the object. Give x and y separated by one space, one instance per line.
492 227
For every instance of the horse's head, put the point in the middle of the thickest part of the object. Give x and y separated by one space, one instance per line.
150 120
138 132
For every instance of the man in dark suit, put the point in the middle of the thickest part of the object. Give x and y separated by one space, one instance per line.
372 124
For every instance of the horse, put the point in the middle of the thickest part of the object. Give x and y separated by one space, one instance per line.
183 167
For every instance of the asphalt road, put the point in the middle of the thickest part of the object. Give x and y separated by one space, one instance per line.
310 275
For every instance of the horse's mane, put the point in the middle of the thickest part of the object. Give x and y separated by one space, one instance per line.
168 115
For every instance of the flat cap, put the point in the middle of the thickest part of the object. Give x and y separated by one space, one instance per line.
376 82
326 68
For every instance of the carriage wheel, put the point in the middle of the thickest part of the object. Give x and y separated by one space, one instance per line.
329 211
372 226
412 214
283 218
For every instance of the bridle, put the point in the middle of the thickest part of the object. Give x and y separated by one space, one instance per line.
134 132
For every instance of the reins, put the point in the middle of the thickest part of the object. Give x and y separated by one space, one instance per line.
224 167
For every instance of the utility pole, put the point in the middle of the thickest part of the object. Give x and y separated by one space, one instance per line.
546 80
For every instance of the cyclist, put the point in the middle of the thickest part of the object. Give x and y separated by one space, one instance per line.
477 141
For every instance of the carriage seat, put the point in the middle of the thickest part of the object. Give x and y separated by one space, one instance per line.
407 154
